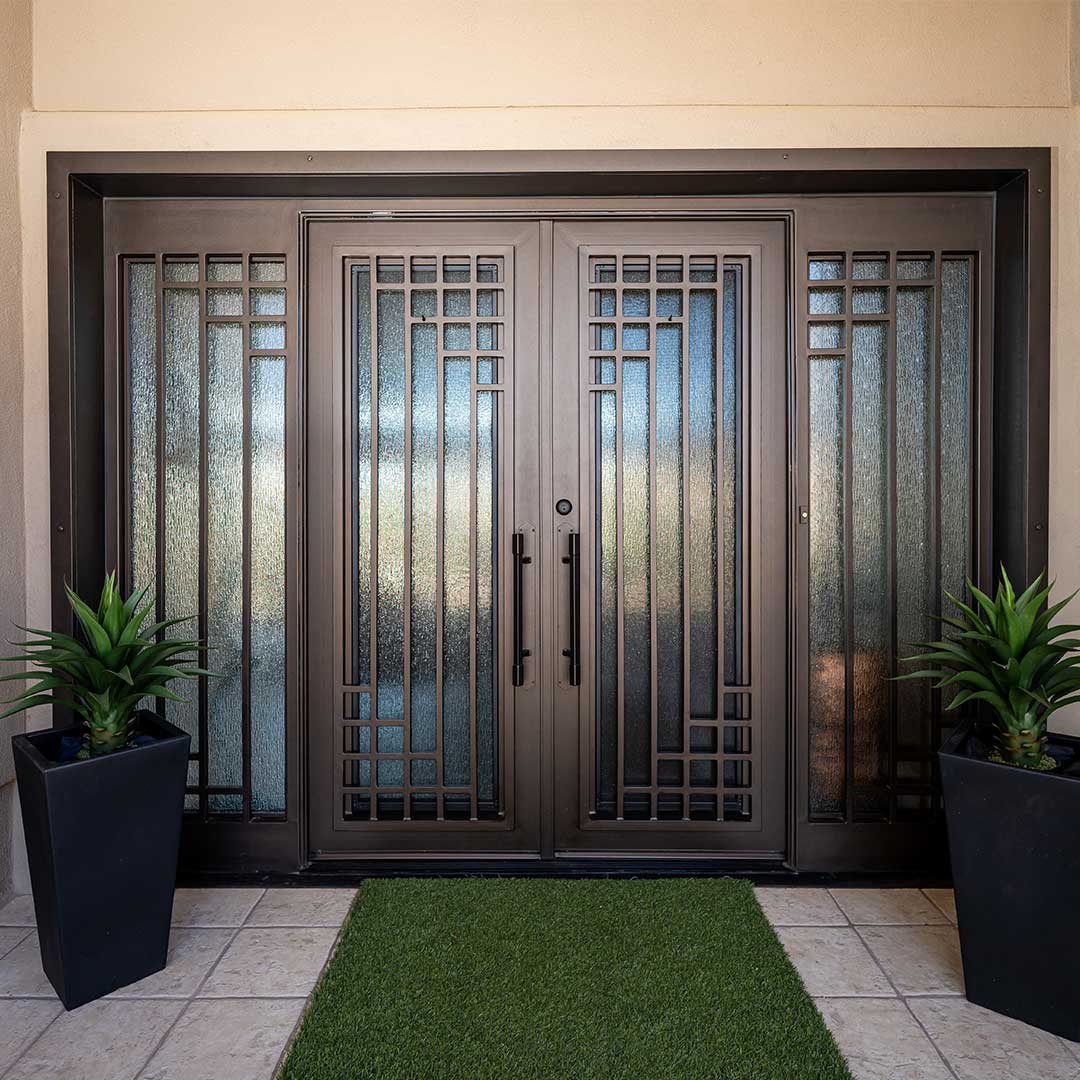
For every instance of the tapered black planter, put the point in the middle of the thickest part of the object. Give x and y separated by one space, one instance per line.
1016 872
102 839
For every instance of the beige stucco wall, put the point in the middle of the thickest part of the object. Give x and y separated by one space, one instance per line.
551 74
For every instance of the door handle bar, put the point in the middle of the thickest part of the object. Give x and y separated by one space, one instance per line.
573 559
520 652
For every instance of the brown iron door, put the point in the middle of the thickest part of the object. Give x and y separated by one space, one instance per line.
422 500
670 439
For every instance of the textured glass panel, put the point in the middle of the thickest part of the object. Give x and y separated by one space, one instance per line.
224 302
702 494
425 462
224 269
457 302
389 739
390 773
488 302
669 304
669 538
360 662
487 369
637 711
457 337
826 609
915 557
487 698
423 303
267 269
603 336
602 268
456 268
225 528
180 270
457 484
869 269
635 302
604 367
635 337
424 268
268 585
826 301
489 268
870 565
827 269
357 739
267 301
703 268
602 302
182 320
357 773
870 301
736 602
919 267
955 428
390 603
635 268
268 335
607 646
487 336
390 269
669 268
423 772
826 335
142 401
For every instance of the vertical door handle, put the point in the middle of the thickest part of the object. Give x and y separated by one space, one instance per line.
520 652
573 559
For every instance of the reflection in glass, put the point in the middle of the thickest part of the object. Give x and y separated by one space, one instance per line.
487 696
142 402
360 663
606 526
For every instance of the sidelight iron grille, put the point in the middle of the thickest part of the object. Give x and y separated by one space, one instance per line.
206 365
889 337
666 342
422 689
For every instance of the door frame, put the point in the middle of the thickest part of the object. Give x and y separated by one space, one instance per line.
81 183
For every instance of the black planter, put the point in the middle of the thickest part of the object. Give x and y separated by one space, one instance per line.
1016 873
102 839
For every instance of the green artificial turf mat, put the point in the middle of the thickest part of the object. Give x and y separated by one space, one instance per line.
537 979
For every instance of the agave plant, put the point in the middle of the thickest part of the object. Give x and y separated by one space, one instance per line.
1008 653
104 677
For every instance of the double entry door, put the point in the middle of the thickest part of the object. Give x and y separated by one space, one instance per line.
547 538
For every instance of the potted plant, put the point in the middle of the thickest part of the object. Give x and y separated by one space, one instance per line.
1012 801
102 800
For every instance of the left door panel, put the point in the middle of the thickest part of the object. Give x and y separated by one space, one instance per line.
422 468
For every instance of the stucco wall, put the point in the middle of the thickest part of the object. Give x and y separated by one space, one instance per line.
539 74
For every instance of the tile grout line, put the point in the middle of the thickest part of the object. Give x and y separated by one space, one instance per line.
948 917
911 1012
34 1041
28 931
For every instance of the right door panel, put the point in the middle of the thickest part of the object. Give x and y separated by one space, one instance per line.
670 379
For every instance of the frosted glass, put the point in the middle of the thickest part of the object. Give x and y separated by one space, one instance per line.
604 369
735 601
869 269
487 336
669 538
457 302
390 643
457 495
142 403
826 269
389 773
180 270
826 335
489 302
224 269
360 511
425 463
669 304
826 301
602 302
224 302
870 301
423 772
637 673
870 568
267 270
635 302
457 337
915 557
701 484
487 696
225 529
181 356
826 607
914 268
267 585
635 337
267 301
389 740
606 556
268 335
422 303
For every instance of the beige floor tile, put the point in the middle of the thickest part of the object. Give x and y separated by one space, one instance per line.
945 901
887 907
302 907
214 907
240 1040
982 1045
21 1022
18 911
105 1040
799 907
881 1040
10 936
192 952
21 974
918 959
271 962
833 962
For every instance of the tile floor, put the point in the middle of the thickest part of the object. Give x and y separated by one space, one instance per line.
882 965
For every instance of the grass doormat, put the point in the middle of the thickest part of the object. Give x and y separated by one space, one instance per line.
538 979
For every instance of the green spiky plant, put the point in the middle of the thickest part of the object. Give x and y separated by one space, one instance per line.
1008 653
103 678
